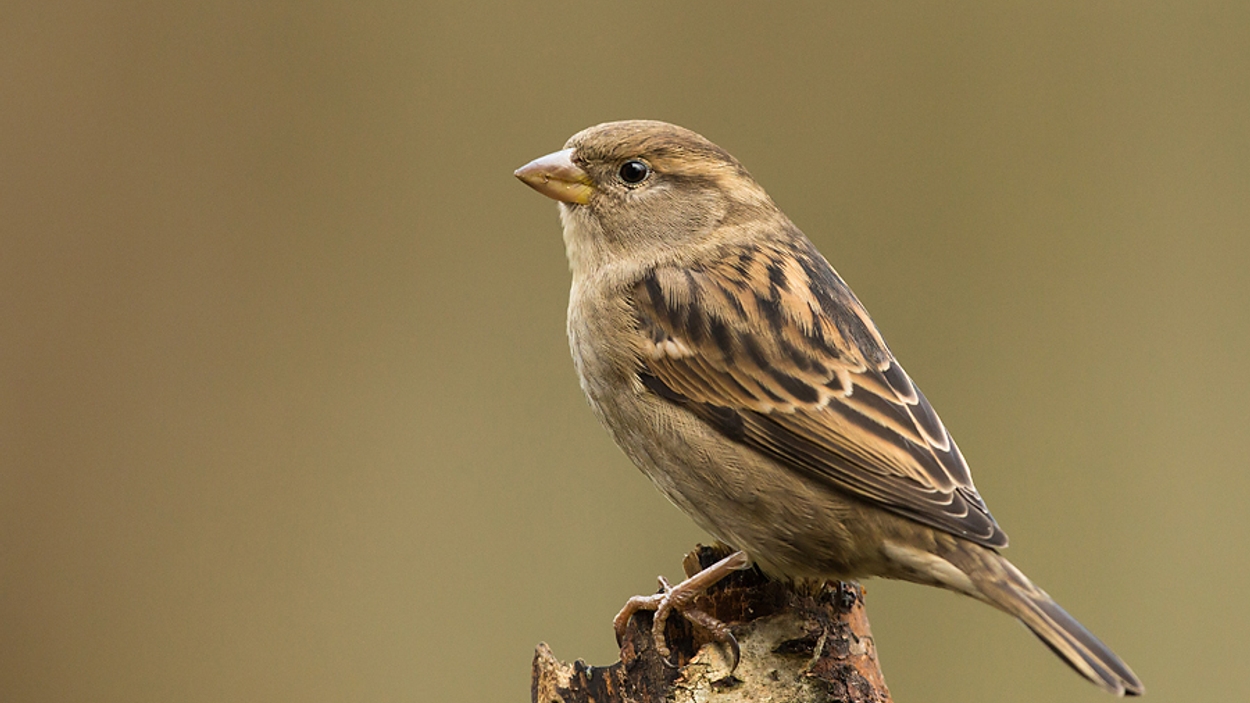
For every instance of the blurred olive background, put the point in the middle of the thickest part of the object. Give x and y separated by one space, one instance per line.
287 411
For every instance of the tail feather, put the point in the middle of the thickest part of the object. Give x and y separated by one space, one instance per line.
1003 585
1073 643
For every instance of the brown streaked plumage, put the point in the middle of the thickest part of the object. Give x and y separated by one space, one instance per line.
734 366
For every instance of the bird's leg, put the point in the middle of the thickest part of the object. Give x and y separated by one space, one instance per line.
680 598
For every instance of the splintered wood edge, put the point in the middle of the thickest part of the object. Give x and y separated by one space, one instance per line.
799 642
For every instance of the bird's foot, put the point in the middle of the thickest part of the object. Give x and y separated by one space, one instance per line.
680 598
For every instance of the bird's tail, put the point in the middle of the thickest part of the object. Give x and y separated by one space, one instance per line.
1002 585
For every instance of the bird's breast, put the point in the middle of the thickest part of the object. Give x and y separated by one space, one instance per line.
600 331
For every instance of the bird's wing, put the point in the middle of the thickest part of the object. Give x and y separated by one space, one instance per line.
770 347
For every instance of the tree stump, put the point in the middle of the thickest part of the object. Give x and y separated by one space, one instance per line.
803 642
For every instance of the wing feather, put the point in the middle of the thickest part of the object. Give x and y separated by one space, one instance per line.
771 348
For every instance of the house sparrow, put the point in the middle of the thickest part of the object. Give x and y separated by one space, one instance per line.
734 366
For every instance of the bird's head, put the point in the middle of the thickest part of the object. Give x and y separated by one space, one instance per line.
643 192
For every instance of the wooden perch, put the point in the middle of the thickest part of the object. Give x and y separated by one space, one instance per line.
804 642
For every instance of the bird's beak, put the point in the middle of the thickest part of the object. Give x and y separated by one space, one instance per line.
557 177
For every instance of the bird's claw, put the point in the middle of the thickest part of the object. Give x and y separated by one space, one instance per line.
720 632
635 604
681 598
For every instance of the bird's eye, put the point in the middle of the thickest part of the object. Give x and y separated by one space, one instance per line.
634 171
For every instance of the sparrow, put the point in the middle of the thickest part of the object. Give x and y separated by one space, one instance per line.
738 371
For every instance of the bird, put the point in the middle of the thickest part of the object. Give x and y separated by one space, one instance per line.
734 366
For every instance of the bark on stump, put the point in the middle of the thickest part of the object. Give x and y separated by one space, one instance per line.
800 642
